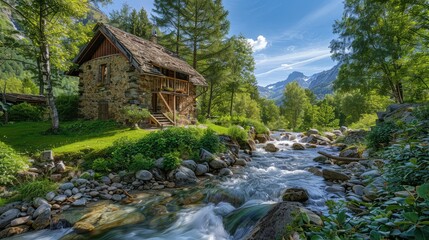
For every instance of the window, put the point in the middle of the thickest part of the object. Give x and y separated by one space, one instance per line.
104 74
103 110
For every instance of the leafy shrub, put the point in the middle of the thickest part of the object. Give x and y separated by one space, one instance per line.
140 162
186 141
26 112
409 164
171 161
68 107
422 112
381 135
134 114
10 164
39 188
101 165
210 141
237 133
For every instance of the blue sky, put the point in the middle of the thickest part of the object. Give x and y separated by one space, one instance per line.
287 35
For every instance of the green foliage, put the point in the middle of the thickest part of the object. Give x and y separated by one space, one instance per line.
294 104
237 133
23 84
140 162
422 112
270 112
101 165
26 112
68 106
134 114
246 123
132 21
210 141
171 161
10 164
38 188
380 135
365 122
185 141
409 164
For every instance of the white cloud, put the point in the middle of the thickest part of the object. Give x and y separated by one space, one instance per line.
258 44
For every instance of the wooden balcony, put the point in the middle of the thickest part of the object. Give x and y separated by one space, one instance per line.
169 85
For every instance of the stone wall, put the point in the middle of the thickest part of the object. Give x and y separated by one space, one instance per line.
118 92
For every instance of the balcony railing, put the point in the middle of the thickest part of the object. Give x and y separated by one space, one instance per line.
172 85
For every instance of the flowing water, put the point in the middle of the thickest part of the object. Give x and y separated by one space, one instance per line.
233 205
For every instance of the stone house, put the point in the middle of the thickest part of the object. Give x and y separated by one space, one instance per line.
117 69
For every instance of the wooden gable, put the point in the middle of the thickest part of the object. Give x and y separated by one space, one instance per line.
105 48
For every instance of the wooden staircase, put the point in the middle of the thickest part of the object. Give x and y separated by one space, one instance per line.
162 120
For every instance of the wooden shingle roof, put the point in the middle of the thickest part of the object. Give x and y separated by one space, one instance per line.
143 54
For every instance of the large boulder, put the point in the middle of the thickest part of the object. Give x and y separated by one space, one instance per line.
295 195
331 175
351 152
206 156
9 232
270 147
43 220
217 164
252 144
312 131
262 138
272 225
191 164
184 176
8 216
201 169
330 136
144 175
225 172
298 146
83 227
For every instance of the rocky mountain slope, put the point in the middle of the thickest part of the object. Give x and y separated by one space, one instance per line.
320 83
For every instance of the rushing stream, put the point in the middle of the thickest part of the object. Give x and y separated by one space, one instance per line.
247 196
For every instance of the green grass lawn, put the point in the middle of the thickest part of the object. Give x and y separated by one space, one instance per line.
76 136
217 128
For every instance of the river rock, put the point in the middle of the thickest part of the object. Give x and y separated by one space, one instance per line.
39 201
272 225
191 164
67 185
331 175
298 146
225 172
235 198
335 188
312 131
60 198
10 206
337 133
115 178
252 144
68 193
79 202
295 195
9 232
8 216
83 227
144 175
241 162
50 196
358 189
201 169
321 159
116 197
261 138
47 156
185 176
19 221
351 152
106 180
330 136
315 171
270 147
343 129
43 220
217 164
371 173
206 156
40 210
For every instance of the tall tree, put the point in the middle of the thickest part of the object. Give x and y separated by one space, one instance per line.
377 39
132 21
169 18
294 104
47 23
